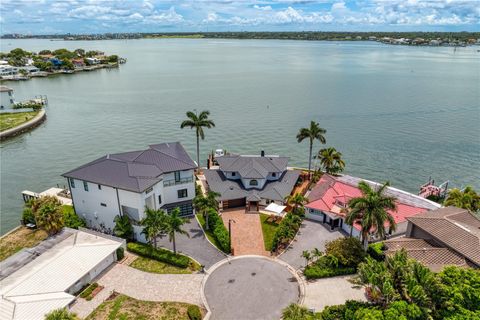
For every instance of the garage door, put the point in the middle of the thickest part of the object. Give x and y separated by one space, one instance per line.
234 203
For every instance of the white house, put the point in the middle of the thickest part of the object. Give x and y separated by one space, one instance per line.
8 70
91 61
6 98
160 177
251 180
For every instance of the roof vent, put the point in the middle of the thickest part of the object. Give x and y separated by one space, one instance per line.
231 188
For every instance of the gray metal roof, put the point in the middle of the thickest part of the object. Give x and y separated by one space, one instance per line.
252 167
135 170
233 189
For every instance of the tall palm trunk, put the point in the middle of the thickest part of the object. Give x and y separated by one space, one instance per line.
310 158
206 220
351 231
198 151
174 245
365 240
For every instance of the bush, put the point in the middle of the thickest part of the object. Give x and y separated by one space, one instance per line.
220 232
343 311
323 268
348 251
376 251
60 314
120 253
194 313
27 216
286 230
71 219
87 293
161 255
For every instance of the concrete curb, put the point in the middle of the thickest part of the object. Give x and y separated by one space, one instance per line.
300 280
24 127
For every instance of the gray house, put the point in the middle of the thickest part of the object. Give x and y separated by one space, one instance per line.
251 180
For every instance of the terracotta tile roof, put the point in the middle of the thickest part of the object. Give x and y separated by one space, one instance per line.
456 228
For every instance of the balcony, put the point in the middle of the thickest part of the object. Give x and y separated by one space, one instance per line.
169 183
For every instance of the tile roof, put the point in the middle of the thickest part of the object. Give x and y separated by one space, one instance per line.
330 190
252 167
435 258
135 170
456 228
233 189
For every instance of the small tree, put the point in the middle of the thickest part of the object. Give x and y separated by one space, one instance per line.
316 253
48 214
153 224
348 251
331 160
307 256
295 312
60 314
466 199
314 132
173 224
296 200
123 227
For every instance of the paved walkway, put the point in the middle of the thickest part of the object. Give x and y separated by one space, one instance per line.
331 291
247 235
195 246
311 235
144 286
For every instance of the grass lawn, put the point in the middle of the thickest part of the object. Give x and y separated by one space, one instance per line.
124 308
268 229
10 120
19 239
209 233
154 266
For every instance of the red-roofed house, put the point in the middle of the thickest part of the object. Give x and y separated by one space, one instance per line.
329 198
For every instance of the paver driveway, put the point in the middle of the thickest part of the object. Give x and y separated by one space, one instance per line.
249 288
331 291
196 246
247 235
311 235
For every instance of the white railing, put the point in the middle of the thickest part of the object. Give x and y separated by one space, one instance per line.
169 183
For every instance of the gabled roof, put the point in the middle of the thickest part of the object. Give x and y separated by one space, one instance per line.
456 228
252 167
135 170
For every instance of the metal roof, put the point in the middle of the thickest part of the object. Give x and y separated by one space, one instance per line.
39 286
135 170
252 167
233 189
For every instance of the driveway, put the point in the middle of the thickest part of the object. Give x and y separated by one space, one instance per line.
311 235
250 288
247 235
331 291
195 246
143 286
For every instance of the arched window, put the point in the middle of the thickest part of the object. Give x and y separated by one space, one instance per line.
253 182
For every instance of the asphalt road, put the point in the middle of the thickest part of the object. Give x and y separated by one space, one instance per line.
250 288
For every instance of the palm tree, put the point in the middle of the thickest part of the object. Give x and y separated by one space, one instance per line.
307 256
316 253
371 211
296 200
295 312
60 314
331 160
173 224
198 122
48 213
315 132
123 227
202 204
467 199
153 224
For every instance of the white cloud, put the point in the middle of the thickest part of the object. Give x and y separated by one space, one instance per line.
264 8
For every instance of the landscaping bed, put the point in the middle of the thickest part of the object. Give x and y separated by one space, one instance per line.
11 120
217 232
159 254
19 239
323 268
120 306
154 266
268 229
91 291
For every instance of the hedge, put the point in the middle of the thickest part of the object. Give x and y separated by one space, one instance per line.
322 269
220 232
194 313
376 251
87 293
161 255
120 253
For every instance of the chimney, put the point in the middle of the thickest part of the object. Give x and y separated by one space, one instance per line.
262 153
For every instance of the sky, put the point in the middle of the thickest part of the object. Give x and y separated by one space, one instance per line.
101 16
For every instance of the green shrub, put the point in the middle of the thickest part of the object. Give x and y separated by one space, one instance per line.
221 233
194 313
376 251
286 230
161 255
120 253
87 293
27 216
343 311
71 219
348 251
324 268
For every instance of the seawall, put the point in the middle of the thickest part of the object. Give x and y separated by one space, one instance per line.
24 127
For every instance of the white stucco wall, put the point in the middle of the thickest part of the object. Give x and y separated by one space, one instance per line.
7 99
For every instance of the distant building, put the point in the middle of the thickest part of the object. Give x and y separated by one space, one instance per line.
56 62
6 98
7 70
251 180
160 177
29 69
78 63
446 236
92 61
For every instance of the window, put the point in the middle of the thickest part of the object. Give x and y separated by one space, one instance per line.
182 193
177 176
159 199
72 182
99 187
234 174
85 185
103 204
274 174
253 182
